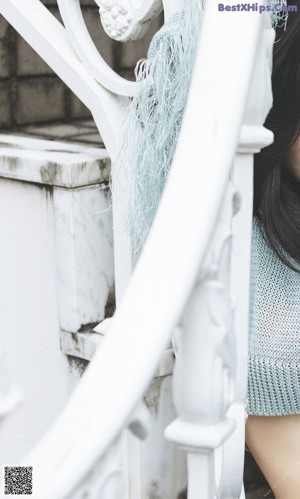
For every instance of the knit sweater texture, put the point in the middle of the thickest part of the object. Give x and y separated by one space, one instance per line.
274 332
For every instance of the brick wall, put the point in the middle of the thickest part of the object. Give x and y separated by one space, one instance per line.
30 93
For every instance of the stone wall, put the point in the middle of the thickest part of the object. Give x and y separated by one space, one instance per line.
30 93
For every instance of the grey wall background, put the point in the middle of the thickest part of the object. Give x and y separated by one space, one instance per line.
30 93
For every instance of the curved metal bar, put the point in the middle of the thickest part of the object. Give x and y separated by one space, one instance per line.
49 39
162 281
84 46
123 21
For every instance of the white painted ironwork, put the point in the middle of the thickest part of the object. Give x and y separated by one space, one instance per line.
71 14
127 20
191 285
252 138
202 425
51 41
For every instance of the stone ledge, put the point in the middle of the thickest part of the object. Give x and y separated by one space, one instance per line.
52 163
83 345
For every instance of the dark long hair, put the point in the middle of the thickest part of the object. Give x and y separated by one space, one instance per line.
276 191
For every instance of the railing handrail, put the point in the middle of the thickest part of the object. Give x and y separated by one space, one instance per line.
169 264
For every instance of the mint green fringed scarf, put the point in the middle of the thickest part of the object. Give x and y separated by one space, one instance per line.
154 118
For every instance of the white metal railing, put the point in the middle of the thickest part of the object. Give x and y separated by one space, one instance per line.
188 289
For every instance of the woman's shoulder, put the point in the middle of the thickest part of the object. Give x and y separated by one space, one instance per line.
262 249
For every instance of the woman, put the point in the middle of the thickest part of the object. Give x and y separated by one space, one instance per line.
273 399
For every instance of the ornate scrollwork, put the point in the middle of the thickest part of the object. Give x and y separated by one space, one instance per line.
125 20
117 18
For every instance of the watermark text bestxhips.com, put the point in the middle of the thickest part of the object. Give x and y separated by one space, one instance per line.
255 7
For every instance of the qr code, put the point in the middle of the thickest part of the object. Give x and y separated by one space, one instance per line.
17 480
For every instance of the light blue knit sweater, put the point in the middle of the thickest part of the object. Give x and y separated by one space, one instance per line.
274 332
